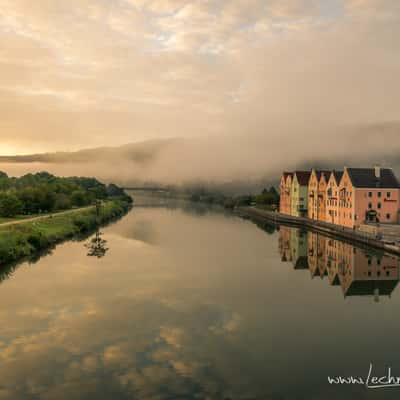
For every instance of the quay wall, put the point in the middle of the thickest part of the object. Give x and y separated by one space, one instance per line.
327 228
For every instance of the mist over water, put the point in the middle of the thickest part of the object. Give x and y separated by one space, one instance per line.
221 159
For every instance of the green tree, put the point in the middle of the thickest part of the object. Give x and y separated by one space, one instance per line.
62 202
10 205
79 198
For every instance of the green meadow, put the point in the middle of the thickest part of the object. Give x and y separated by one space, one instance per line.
24 240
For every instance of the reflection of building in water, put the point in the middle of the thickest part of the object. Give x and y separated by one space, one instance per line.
316 254
332 256
293 246
362 273
321 241
312 253
298 248
359 272
284 243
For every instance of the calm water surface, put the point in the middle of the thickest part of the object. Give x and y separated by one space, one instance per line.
188 304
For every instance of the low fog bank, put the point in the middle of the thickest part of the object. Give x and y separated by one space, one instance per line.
238 163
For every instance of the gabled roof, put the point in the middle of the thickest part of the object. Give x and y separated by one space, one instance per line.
303 177
325 172
286 175
365 178
337 175
319 172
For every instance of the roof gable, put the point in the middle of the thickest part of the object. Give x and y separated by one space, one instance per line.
337 176
302 177
323 173
286 175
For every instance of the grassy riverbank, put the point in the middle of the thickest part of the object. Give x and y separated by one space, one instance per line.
26 239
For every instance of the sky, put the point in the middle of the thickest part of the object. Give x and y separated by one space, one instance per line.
85 73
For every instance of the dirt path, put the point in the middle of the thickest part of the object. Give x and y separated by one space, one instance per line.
23 220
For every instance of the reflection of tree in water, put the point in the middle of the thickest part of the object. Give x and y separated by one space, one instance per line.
97 246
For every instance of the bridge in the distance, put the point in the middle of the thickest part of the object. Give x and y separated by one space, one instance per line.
147 189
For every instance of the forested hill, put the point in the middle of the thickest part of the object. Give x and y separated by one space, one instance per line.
43 192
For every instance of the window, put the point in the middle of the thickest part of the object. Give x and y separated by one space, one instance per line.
378 262
387 273
355 217
369 273
379 205
388 194
369 194
370 205
388 216
369 261
378 273
379 194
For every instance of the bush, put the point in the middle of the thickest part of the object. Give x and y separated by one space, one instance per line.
38 240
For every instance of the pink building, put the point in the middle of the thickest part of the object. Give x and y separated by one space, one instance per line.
368 195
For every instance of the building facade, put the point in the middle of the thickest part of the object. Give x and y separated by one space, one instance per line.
299 193
347 198
316 194
285 193
332 196
321 204
368 195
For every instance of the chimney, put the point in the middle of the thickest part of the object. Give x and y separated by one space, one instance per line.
377 171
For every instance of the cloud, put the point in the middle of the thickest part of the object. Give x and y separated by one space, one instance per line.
87 73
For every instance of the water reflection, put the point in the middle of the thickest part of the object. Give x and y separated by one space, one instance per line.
185 308
358 271
97 246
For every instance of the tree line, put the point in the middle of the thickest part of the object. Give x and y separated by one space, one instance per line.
268 197
43 192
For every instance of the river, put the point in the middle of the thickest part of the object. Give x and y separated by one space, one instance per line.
190 303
